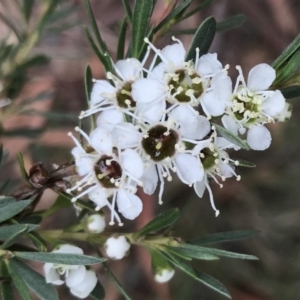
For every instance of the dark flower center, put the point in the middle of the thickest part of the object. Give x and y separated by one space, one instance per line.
124 97
208 158
160 142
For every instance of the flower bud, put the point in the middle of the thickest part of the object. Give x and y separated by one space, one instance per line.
164 275
161 268
95 223
116 247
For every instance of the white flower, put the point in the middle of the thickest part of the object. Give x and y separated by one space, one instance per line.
216 162
96 223
182 84
164 275
251 106
108 174
116 247
106 96
80 281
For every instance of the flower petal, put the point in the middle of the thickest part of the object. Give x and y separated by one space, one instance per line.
100 91
209 64
260 77
200 131
129 205
150 180
259 138
132 163
230 124
101 140
200 187
189 169
67 248
126 135
175 54
99 197
86 286
151 113
274 105
222 86
109 118
84 164
212 105
130 69
225 170
51 275
75 277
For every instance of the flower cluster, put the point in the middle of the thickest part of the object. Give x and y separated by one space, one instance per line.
156 122
79 279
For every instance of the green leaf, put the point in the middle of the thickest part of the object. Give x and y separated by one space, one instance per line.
6 232
231 23
227 236
87 205
95 27
6 287
163 220
174 15
287 53
22 166
291 91
127 10
202 38
19 282
60 203
61 258
122 39
35 281
193 252
143 50
204 4
286 71
24 132
12 240
27 9
37 240
12 208
88 82
245 163
141 16
37 60
48 13
1 153
231 137
98 292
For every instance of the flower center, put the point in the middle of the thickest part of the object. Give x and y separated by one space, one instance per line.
186 86
247 106
159 142
108 171
124 97
208 158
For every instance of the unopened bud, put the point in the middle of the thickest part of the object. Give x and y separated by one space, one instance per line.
116 247
95 223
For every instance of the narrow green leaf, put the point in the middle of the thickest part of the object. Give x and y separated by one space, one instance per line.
204 4
6 287
87 205
46 18
88 82
227 236
141 16
27 9
60 203
231 137
163 220
287 53
6 232
122 39
231 23
145 46
98 292
291 91
19 282
95 27
1 153
13 208
245 163
285 72
61 258
5 200
127 10
24 132
101 56
12 239
202 38
193 252
35 61
38 241
35 281
174 15
22 166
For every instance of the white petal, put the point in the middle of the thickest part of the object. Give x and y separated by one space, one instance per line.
152 113
274 105
129 205
185 117
101 140
86 286
132 163
222 86
150 180
259 138
109 118
209 64
158 72
148 90
67 248
200 187
225 144
129 69
99 197
51 275
226 170
75 277
126 135
230 124
188 167
213 105
175 54
84 164
261 77
100 90
199 131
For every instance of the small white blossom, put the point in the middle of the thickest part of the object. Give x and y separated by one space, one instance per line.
80 281
116 247
164 275
95 223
